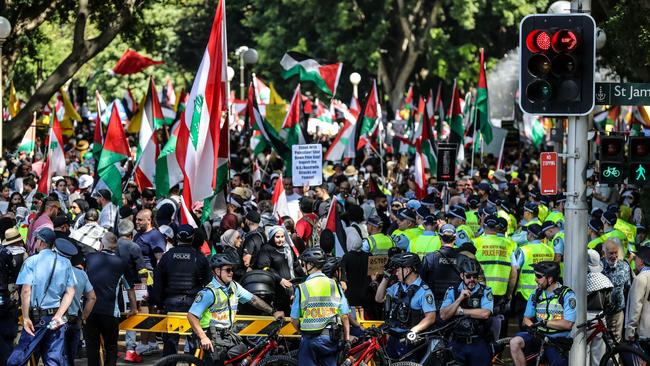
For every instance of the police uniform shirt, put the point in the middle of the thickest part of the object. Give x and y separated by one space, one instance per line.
82 286
423 298
569 309
344 308
558 245
205 299
36 272
487 301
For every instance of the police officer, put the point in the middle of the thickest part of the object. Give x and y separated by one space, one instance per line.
531 211
377 243
474 301
12 254
406 226
83 288
456 217
212 314
557 213
438 269
609 220
555 236
320 312
47 291
472 214
409 305
526 256
429 241
494 253
180 274
552 308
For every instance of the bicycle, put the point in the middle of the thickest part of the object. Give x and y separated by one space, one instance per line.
616 352
266 352
536 358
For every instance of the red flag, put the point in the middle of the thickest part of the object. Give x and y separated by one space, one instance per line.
132 62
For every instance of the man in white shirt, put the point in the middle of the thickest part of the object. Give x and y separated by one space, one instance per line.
109 210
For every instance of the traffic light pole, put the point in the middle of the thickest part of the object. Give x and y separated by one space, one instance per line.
575 270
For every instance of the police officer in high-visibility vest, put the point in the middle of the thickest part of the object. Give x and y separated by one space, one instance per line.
555 237
406 225
531 210
494 253
625 227
377 243
429 241
534 251
552 308
456 216
595 228
47 292
320 313
474 302
609 220
471 215
213 312
503 211
409 305
557 213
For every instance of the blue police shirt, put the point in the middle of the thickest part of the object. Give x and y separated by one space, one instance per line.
487 301
569 310
36 272
558 246
82 286
344 308
205 298
423 298
517 258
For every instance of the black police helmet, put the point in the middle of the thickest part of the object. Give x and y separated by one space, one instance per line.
221 259
407 260
314 255
470 266
331 265
548 268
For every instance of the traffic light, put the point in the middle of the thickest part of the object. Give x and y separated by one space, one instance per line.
557 64
612 159
639 171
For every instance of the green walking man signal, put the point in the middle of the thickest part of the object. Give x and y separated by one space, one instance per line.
640 173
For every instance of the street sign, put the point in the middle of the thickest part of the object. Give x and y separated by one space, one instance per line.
611 173
639 174
622 94
548 173
446 162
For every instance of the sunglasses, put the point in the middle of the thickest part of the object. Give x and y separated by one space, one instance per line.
470 276
538 276
227 270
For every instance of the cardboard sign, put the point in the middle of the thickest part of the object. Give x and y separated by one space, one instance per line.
548 173
140 293
307 165
376 264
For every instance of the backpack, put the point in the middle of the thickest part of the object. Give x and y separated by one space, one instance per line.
314 238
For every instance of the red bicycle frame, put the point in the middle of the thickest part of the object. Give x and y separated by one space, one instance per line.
273 344
367 350
598 328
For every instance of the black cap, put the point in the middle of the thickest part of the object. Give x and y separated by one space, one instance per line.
597 213
547 225
473 200
502 223
547 268
65 247
483 187
613 208
545 199
457 212
534 229
492 221
105 194
531 207
148 193
596 225
60 220
406 214
610 217
185 233
423 212
375 221
488 210
644 254
253 216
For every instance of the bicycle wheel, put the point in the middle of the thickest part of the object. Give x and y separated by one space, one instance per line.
405 363
624 355
278 361
179 359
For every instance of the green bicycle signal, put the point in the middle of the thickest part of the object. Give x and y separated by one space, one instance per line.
611 171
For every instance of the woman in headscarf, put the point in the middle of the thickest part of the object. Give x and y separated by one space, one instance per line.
231 243
78 210
279 258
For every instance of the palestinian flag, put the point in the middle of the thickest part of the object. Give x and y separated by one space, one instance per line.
116 150
279 200
200 134
427 139
325 75
354 107
55 163
148 150
438 112
291 125
28 143
267 134
455 116
371 118
483 122
262 91
339 146
335 226
168 172
323 113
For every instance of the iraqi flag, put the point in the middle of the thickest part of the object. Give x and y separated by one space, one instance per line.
116 150
55 163
279 200
334 224
200 132
148 148
324 74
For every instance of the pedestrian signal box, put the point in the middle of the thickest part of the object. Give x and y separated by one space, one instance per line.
557 64
639 169
612 159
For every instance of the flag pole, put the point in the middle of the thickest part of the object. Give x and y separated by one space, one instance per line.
474 137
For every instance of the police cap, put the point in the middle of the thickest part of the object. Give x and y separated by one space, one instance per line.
185 233
65 247
547 225
447 229
47 235
406 214
492 221
375 221
531 207
596 225
502 223
610 217
535 230
457 212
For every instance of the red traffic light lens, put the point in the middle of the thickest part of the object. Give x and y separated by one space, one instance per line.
564 40
640 148
539 91
611 148
538 41
539 65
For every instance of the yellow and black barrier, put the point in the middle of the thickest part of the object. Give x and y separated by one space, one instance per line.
245 325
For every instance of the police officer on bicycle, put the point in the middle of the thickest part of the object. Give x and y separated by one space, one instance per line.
552 309
473 303
320 313
213 312
409 305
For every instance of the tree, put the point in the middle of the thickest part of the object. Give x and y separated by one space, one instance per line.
109 18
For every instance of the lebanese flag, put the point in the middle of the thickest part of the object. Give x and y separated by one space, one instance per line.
116 150
335 226
199 135
132 62
338 147
279 200
148 148
55 163
371 118
322 73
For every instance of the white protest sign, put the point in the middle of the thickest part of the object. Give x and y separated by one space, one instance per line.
307 165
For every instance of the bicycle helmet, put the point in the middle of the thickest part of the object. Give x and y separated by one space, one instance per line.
331 265
314 255
548 268
221 259
469 266
407 260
